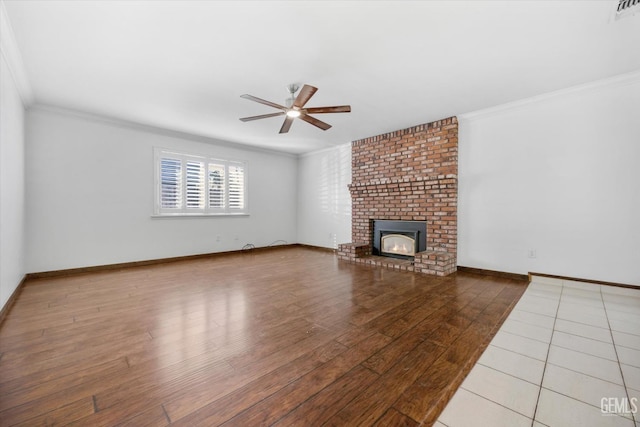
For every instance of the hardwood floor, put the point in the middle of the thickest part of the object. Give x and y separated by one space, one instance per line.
285 337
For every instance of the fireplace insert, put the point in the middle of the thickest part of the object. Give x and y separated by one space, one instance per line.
394 243
399 239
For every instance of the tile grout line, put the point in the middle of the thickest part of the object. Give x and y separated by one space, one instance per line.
506 373
524 336
497 403
615 349
583 335
546 361
582 373
586 353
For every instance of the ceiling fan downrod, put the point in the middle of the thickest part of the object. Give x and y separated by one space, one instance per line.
292 88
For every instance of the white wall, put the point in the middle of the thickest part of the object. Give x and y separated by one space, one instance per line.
559 174
12 188
324 202
90 195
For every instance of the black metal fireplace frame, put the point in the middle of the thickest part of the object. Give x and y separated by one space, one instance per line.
407 228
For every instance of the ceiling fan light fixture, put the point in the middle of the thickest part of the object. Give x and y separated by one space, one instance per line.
293 113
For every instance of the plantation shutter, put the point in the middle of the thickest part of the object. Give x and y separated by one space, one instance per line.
195 184
170 183
236 187
216 186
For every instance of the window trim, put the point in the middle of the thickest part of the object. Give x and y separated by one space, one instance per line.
205 211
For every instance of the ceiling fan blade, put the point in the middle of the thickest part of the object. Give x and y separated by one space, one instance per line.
336 109
286 125
322 125
262 101
263 116
305 95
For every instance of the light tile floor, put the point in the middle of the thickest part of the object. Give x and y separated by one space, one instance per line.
567 355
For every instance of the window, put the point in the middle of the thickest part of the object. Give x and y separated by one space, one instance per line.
190 184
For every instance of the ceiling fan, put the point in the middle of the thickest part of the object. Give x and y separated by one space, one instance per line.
295 108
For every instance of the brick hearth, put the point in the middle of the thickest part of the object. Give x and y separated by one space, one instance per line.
410 175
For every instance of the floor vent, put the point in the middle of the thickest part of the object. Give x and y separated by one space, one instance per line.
627 8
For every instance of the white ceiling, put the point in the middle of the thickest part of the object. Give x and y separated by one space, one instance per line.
182 65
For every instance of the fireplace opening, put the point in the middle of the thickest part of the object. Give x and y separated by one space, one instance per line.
399 239
394 243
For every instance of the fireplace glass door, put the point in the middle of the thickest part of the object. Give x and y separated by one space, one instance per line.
398 244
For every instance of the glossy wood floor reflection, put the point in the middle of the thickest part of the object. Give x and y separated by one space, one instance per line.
283 337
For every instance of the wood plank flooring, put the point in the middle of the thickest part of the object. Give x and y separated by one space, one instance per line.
287 337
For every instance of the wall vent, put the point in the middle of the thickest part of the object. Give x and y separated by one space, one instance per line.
627 8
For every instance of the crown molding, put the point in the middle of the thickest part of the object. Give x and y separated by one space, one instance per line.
122 123
13 58
615 81
346 145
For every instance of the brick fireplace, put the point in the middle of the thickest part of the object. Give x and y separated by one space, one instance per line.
407 175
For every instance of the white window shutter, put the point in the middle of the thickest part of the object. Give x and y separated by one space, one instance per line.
236 187
216 187
190 184
195 184
170 183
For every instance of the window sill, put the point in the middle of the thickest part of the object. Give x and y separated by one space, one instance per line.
196 215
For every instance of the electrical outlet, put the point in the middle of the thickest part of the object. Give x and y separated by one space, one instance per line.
217 238
531 253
